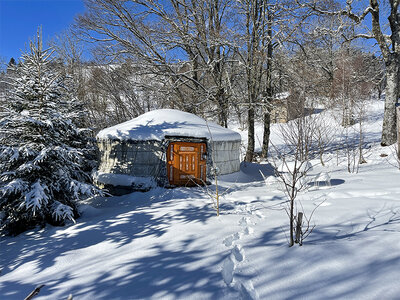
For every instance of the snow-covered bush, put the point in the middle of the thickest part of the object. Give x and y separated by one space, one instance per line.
45 158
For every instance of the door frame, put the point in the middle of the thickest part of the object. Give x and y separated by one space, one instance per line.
177 163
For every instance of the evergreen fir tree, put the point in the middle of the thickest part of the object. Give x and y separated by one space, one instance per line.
45 158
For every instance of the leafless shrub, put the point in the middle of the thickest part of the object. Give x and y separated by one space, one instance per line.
324 135
353 138
292 164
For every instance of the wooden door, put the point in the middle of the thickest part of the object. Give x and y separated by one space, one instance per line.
186 163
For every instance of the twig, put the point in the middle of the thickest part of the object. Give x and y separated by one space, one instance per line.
34 292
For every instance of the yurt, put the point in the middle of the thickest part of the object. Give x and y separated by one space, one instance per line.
166 147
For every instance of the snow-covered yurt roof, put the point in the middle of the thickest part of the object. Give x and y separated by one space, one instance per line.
157 124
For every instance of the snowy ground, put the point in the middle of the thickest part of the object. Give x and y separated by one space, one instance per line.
168 243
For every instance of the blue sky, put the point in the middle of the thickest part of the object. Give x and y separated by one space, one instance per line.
19 20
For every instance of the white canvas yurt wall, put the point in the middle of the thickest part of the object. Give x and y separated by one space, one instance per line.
137 147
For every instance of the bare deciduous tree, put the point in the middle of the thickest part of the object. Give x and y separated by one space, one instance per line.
184 41
387 36
266 25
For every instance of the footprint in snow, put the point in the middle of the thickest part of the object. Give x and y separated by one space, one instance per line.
228 241
228 269
238 253
240 209
244 221
247 291
248 230
229 264
249 209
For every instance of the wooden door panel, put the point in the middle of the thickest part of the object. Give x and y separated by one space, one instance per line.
186 163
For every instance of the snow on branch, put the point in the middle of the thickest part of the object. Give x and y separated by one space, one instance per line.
80 188
348 11
62 212
27 150
36 197
11 153
13 187
27 167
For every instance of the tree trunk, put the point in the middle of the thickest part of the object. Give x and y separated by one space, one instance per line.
299 222
223 110
291 221
398 131
251 142
389 134
268 88
267 132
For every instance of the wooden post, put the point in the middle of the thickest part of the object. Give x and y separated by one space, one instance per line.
398 129
298 227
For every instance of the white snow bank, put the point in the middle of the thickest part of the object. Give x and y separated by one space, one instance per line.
157 124
124 180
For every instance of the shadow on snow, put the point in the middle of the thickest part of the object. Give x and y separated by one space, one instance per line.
119 221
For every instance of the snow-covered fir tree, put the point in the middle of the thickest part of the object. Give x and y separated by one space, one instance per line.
45 157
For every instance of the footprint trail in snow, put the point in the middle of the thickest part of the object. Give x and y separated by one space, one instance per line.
237 255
